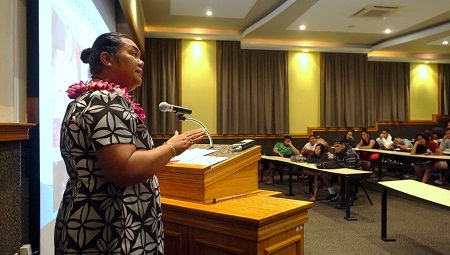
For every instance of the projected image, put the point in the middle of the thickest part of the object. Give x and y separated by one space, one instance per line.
66 27
66 66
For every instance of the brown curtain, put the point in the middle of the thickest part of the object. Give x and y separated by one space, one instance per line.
252 90
390 81
161 83
444 82
356 92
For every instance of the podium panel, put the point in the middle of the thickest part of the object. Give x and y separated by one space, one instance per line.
198 183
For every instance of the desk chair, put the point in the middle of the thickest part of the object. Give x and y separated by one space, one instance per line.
365 165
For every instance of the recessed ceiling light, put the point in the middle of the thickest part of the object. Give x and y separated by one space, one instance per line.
198 38
209 13
387 31
445 42
302 27
305 51
426 62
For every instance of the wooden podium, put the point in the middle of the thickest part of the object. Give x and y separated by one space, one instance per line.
219 209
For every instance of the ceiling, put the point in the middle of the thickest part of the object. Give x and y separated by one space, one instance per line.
418 27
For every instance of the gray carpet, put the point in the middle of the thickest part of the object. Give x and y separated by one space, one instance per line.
419 227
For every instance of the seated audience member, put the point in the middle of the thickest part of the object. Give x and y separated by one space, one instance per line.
385 139
437 133
368 143
309 146
400 163
429 136
402 144
319 155
282 149
328 148
344 157
423 145
445 146
435 137
348 138
445 143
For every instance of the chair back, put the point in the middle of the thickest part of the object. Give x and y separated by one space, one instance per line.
365 165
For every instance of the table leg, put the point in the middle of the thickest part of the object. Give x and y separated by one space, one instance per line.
380 166
347 200
384 217
290 183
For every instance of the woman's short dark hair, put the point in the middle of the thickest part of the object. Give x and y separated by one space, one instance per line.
365 131
422 135
108 42
322 149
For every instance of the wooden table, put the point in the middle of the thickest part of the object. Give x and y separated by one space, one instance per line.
413 188
346 172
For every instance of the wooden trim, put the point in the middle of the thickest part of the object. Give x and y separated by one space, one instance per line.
15 131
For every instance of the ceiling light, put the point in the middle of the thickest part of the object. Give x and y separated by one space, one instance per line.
302 27
209 13
387 31
445 42
198 38
426 62
305 51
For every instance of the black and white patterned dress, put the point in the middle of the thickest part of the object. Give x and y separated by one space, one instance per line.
95 216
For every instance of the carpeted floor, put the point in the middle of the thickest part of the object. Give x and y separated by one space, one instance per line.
420 227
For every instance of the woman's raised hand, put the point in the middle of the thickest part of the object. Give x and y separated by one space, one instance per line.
183 141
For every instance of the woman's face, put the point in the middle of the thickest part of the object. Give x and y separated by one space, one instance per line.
421 140
447 134
349 135
364 135
317 150
126 68
312 140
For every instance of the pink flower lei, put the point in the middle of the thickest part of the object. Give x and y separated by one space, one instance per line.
77 89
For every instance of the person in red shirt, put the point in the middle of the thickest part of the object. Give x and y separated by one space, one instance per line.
423 145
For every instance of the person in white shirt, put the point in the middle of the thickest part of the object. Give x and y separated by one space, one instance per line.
309 146
385 139
445 143
445 146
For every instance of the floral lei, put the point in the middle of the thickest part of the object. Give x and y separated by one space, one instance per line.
80 88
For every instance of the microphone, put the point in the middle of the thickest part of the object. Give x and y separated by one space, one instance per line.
180 111
165 107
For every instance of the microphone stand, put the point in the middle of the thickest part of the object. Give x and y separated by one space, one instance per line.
181 117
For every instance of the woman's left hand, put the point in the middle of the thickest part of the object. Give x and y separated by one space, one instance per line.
183 141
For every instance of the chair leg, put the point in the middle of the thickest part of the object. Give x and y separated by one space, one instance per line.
367 195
